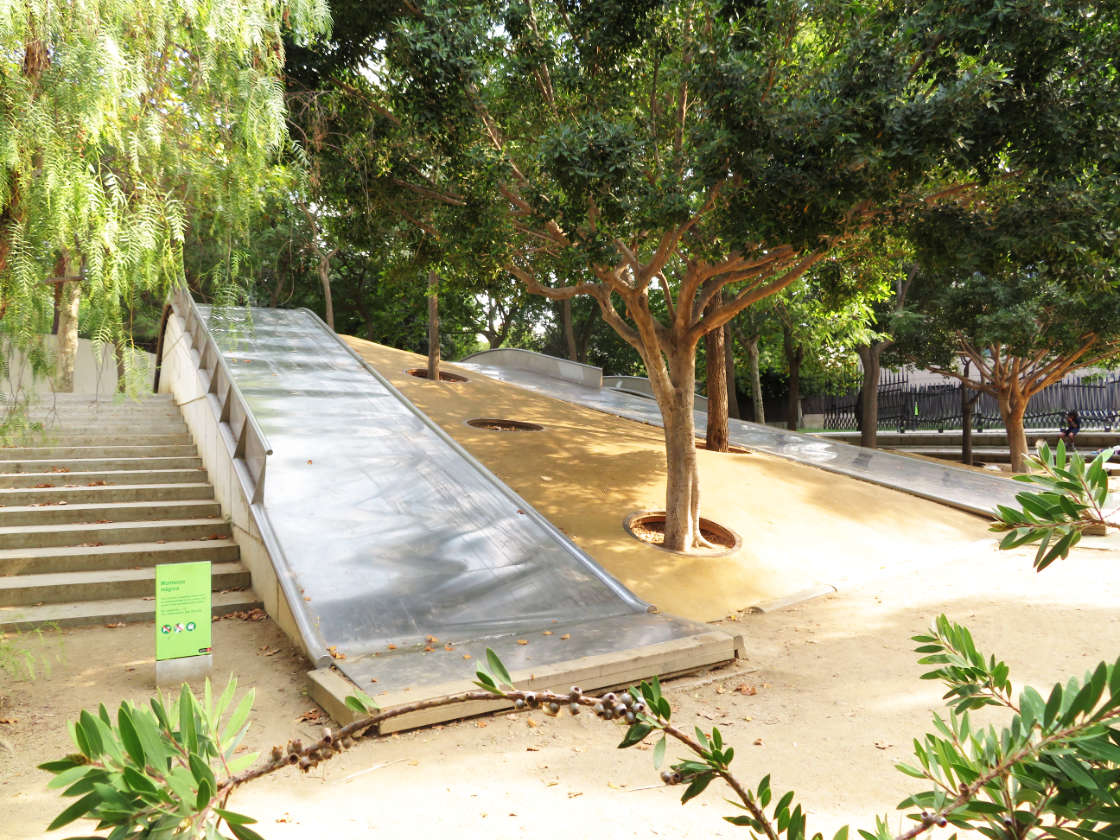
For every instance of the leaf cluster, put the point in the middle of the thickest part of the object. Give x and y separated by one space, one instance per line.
1073 500
151 772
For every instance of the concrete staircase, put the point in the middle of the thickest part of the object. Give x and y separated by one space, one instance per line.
93 500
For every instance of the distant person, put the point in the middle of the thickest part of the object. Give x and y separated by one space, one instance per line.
1068 432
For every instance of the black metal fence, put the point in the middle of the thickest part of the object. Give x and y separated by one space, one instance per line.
932 407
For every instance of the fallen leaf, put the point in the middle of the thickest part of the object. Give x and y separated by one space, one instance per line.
431 639
547 633
532 724
466 656
391 647
566 636
449 646
115 624
523 641
758 742
481 724
532 749
881 745
42 486
572 794
267 651
748 690
9 720
310 716
334 652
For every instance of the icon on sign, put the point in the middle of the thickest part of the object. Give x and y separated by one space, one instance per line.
165 628
190 626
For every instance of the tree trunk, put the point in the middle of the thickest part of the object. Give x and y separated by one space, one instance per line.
120 348
717 391
733 409
966 427
569 329
682 488
756 380
1012 407
869 394
794 355
433 326
325 280
966 419
66 352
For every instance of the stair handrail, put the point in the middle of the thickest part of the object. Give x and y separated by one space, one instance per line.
248 444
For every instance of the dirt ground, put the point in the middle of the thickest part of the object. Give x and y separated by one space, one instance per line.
827 700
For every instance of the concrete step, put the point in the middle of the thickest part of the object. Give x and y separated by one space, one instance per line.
113 533
96 423
43 453
45 481
91 437
65 398
61 466
71 558
96 585
104 493
86 613
44 514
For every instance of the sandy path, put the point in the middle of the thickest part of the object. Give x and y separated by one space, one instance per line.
837 701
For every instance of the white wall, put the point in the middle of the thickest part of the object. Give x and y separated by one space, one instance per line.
95 371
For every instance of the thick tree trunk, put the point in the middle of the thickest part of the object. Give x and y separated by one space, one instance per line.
433 327
682 488
756 380
966 419
717 391
1012 407
120 348
794 355
325 280
966 427
869 395
733 409
569 329
66 353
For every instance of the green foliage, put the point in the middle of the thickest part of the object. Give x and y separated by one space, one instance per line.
1073 500
154 772
124 125
1050 771
26 654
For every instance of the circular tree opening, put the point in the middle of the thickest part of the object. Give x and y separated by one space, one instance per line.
732 449
444 376
495 425
649 527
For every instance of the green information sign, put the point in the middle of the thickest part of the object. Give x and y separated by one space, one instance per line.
182 610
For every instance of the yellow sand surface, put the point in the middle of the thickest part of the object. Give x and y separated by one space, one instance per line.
802 528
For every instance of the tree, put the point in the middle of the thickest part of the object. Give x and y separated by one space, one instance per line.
124 123
1030 297
641 152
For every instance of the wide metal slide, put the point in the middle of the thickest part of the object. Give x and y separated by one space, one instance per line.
403 554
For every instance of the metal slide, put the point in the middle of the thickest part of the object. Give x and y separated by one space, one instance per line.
966 489
392 533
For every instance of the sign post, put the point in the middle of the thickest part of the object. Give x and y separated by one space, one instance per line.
183 632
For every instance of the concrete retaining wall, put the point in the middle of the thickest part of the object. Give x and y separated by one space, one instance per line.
557 368
95 370
180 376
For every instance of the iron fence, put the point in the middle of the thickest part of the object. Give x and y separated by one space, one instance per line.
932 407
